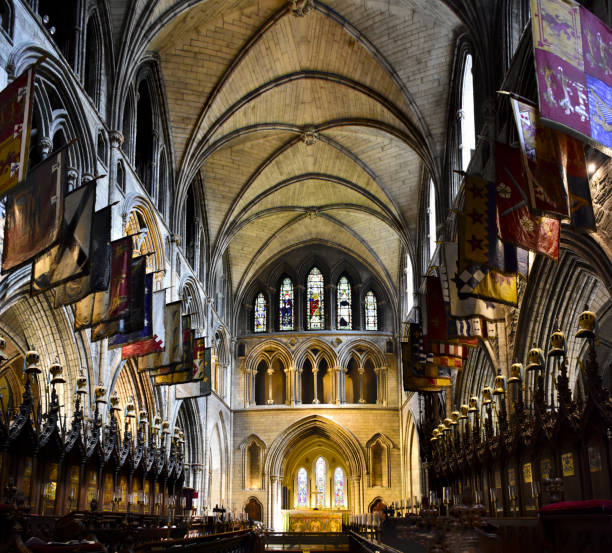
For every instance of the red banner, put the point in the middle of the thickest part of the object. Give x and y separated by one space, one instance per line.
15 122
436 313
120 284
517 225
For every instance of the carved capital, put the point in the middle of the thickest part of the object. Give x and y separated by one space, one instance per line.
71 177
44 146
116 139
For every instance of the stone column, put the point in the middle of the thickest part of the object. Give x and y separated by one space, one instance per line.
316 386
247 385
272 503
381 398
116 140
270 400
290 386
356 494
299 301
342 384
361 372
329 315
337 391
298 386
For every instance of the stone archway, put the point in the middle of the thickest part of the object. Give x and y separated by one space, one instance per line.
313 425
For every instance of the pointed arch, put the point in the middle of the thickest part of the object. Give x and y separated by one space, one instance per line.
315 300
371 311
344 304
286 318
260 313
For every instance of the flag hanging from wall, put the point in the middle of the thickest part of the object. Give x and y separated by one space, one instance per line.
99 270
461 305
156 342
541 164
16 102
103 307
573 60
120 282
436 312
70 257
34 212
146 332
516 224
573 164
172 354
419 372
478 224
201 384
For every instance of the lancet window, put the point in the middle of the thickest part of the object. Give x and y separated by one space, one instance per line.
286 305
344 309
260 313
371 311
302 488
314 299
339 495
321 481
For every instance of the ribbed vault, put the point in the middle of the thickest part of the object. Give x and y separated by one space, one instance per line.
315 127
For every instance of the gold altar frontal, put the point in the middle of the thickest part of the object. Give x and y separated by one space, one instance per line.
312 521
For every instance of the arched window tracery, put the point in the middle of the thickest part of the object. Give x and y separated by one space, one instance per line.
320 481
466 115
314 300
344 309
286 305
371 311
260 313
302 487
339 483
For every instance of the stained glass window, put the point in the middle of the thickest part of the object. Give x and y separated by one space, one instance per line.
371 311
321 480
260 313
339 487
302 487
286 305
314 299
344 310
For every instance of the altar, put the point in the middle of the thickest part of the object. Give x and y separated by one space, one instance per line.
312 520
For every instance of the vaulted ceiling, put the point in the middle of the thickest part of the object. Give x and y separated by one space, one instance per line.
308 122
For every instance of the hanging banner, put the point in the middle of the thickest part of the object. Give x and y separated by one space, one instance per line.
120 284
16 102
99 271
70 257
463 306
418 371
156 343
517 225
146 332
572 51
34 213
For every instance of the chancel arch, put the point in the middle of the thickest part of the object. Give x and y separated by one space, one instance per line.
300 441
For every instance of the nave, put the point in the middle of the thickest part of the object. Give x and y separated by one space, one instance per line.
305 275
